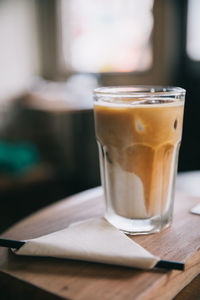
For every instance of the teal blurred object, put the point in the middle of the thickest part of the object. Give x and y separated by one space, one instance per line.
17 158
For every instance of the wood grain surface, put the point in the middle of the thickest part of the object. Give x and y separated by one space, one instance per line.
69 279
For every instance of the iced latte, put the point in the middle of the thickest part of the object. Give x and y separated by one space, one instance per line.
138 132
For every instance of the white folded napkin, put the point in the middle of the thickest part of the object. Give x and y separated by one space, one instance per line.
195 210
91 240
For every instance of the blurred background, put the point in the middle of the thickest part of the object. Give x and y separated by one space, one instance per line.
53 53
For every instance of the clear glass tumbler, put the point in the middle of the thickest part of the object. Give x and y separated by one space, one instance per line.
138 131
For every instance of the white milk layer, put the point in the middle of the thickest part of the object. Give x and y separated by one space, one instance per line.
125 193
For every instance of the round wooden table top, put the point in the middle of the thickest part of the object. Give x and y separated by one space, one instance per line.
50 278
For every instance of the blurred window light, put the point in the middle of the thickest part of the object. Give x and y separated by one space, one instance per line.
193 25
107 36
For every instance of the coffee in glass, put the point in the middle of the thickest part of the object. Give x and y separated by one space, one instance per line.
138 131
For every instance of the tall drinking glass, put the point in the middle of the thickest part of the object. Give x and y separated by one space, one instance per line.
138 131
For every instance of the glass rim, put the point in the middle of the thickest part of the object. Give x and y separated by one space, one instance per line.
138 91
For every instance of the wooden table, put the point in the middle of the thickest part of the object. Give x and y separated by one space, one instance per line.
48 278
